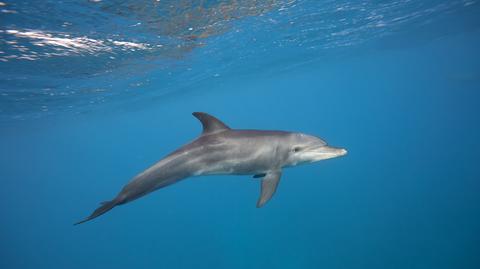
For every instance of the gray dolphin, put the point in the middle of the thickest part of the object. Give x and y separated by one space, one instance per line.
220 150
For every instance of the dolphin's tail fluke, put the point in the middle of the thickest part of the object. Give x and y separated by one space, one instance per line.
104 208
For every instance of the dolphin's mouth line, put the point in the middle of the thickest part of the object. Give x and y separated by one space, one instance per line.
326 149
324 152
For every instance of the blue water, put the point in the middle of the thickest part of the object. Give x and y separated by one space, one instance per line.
94 92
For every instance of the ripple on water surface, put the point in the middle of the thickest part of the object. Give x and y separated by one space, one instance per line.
85 54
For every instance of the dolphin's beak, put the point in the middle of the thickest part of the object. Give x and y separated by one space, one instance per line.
342 152
325 152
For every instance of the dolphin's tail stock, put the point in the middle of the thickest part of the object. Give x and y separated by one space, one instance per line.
104 208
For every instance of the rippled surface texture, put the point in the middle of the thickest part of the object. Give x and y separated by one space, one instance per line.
67 56
93 92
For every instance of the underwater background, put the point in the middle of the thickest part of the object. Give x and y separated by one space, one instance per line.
94 92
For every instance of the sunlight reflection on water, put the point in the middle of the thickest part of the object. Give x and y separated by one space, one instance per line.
52 63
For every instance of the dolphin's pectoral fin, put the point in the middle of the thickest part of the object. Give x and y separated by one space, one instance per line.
268 186
259 175
210 124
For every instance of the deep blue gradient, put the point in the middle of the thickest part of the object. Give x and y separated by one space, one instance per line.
404 101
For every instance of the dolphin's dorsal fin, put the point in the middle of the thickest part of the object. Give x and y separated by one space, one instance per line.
211 125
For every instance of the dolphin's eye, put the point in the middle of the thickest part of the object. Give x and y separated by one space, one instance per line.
297 149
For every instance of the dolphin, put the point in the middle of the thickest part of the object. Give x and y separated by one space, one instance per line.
220 150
